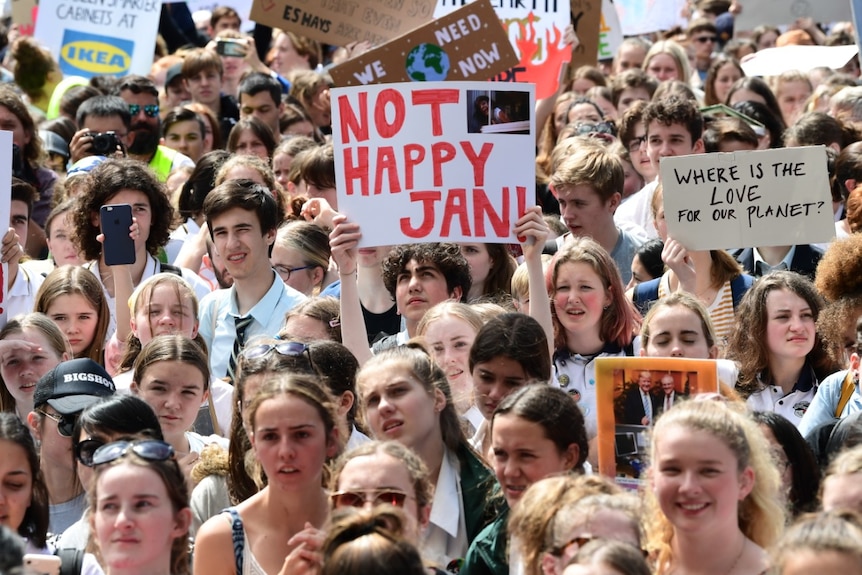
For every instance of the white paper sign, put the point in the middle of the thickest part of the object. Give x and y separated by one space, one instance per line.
5 209
108 38
242 7
645 16
748 199
774 61
536 30
428 161
777 12
611 32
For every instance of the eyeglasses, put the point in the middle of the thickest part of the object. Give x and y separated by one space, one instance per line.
65 423
374 496
284 271
150 449
705 39
635 144
600 128
151 110
85 449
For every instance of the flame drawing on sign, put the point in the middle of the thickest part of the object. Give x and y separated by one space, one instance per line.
541 52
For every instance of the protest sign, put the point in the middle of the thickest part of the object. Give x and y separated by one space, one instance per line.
111 38
610 32
535 29
780 12
5 210
24 16
586 22
645 16
340 22
467 44
434 161
748 199
623 424
775 61
242 7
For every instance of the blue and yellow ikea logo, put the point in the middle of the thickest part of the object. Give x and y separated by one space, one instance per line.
90 55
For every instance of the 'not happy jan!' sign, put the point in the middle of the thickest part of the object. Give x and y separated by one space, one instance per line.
748 199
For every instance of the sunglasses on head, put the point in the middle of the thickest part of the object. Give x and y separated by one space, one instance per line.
149 449
287 348
600 128
376 497
151 110
580 541
65 423
85 449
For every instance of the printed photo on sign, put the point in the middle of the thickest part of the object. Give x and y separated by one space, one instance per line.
631 394
415 153
498 112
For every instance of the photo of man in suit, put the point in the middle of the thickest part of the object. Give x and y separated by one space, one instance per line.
640 406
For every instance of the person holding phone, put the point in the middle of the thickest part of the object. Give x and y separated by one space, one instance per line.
115 182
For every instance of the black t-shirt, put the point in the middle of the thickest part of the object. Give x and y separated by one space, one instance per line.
387 323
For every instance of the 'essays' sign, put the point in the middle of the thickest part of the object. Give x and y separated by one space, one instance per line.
340 22
111 38
435 161
468 44
748 199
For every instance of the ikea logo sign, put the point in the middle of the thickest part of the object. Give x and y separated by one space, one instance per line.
89 55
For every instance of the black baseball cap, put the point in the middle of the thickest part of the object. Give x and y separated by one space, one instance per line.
73 385
174 72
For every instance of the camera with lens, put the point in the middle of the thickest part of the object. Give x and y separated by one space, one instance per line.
105 143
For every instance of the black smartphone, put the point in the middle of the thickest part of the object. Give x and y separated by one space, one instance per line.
118 247
227 47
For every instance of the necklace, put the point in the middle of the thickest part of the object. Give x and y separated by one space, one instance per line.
738 556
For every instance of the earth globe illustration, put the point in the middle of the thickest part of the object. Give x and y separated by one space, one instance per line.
427 63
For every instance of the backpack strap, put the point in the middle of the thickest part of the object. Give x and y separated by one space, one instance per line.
848 386
645 293
738 286
71 561
238 536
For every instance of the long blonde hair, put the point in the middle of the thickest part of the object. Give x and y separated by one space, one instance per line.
761 515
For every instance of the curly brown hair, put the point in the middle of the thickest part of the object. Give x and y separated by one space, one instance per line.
748 345
108 179
445 257
837 326
839 272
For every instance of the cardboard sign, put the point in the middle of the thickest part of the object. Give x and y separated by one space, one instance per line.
468 44
586 21
24 15
610 32
535 29
111 38
434 161
748 199
779 12
623 424
340 22
774 61
640 17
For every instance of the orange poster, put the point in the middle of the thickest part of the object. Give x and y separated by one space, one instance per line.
631 393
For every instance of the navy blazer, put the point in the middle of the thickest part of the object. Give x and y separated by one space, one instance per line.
804 261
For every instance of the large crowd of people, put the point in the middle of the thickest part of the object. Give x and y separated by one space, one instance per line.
251 392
